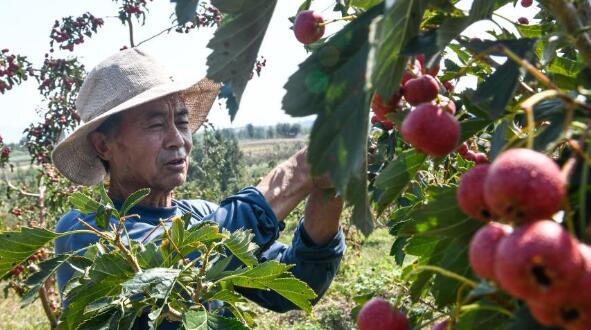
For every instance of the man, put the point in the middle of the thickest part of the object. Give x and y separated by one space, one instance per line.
138 130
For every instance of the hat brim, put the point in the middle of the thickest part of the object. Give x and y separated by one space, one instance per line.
77 160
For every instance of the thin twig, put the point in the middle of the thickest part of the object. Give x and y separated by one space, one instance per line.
156 35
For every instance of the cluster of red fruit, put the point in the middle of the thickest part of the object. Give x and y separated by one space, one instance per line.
537 260
13 70
55 73
379 314
478 157
430 126
71 31
132 7
208 16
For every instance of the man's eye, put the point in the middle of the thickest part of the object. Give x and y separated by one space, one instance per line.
157 125
182 123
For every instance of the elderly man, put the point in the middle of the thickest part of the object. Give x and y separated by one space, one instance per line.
138 128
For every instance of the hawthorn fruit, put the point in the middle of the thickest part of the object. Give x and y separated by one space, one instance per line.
308 27
483 248
444 325
422 89
470 193
575 311
431 130
523 20
378 314
540 261
526 3
524 185
462 149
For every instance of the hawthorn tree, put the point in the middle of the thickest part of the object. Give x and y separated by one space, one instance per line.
443 168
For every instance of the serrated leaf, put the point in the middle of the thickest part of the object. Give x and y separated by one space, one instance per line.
104 279
438 216
202 320
396 176
241 246
106 200
491 96
217 267
17 246
227 296
149 256
103 216
134 199
154 282
236 42
331 84
47 268
400 23
275 276
83 203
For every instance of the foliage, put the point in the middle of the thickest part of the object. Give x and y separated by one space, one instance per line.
114 284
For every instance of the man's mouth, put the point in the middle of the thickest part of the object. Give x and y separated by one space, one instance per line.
177 161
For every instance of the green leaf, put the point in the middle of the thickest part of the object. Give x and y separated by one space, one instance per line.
240 245
364 4
227 296
17 246
439 216
275 276
202 320
396 176
478 317
156 283
493 96
47 268
185 10
134 199
83 203
149 256
104 279
236 42
216 268
324 85
400 23
106 200
103 216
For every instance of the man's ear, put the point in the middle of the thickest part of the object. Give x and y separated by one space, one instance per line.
99 143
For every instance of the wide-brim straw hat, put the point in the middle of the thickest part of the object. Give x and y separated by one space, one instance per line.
121 82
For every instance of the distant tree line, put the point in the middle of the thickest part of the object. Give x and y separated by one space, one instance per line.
280 130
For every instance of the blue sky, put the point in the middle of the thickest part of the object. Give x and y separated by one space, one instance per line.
26 25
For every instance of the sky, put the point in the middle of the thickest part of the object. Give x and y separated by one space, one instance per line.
26 32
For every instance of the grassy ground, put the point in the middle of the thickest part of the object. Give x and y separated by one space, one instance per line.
12 316
367 269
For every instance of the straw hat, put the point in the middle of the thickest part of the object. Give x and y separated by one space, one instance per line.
121 82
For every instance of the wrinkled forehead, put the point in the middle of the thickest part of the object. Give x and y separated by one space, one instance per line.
159 107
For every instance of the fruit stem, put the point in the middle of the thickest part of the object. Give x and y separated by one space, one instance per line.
344 18
530 68
528 108
446 273
476 307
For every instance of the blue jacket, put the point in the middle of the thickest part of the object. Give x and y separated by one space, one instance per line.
248 209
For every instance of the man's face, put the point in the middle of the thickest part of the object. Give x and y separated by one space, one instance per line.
152 146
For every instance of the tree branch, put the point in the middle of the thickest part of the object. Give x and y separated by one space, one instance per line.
567 15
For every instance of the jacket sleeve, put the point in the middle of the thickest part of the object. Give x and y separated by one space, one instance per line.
313 264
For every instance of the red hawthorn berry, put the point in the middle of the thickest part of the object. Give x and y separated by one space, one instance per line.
523 20
5 50
526 3
308 27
